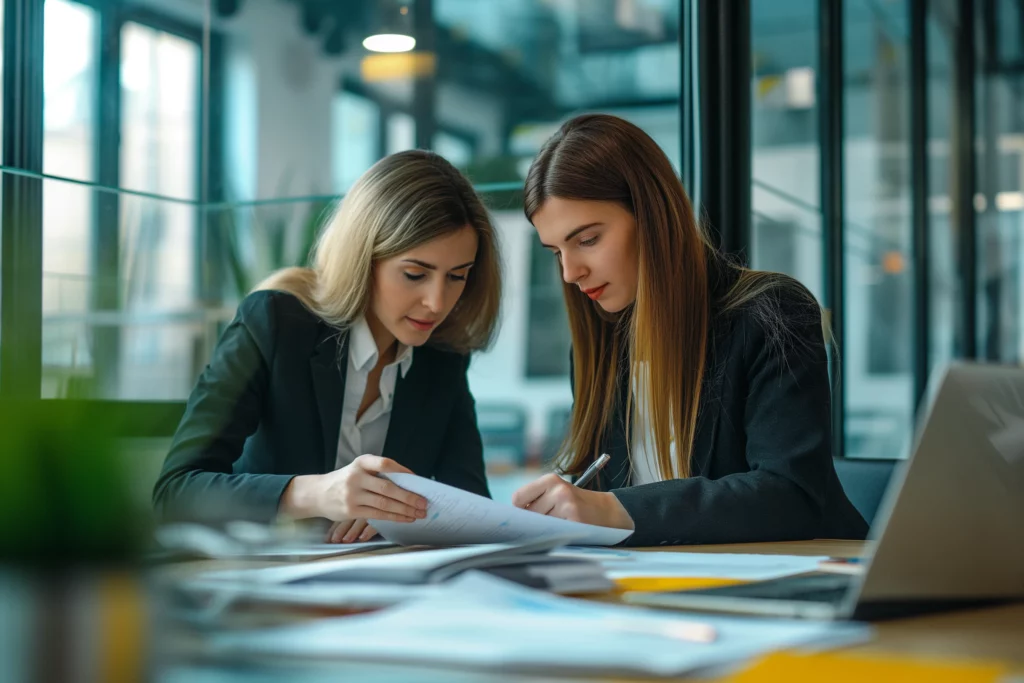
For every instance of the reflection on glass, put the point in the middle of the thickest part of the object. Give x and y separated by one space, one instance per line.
159 154
1000 199
878 276
401 132
69 150
943 291
356 144
786 221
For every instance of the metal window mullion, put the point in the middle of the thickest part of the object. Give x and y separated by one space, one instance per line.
21 231
831 125
919 194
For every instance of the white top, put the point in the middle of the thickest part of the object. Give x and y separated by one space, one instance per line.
643 457
368 433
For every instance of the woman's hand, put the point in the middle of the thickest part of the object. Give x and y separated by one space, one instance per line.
350 531
353 492
552 495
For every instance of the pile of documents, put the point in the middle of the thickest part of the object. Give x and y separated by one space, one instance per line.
379 580
480 621
479 588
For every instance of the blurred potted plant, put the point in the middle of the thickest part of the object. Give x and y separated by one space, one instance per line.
276 236
72 538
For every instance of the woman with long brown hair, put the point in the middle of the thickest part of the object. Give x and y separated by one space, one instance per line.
356 365
706 383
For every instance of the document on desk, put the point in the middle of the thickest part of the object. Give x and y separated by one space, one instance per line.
483 622
202 541
457 517
621 564
414 567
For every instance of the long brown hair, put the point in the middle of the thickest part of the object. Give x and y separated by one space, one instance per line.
605 158
402 201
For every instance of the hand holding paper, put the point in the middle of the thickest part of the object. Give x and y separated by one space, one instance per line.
456 517
355 491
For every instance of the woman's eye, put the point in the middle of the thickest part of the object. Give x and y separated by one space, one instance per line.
589 242
415 277
456 278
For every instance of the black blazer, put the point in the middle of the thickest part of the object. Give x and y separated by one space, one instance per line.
268 408
762 465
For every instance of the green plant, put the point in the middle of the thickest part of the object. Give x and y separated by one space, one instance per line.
273 238
65 497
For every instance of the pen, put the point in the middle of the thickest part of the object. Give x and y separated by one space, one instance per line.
592 471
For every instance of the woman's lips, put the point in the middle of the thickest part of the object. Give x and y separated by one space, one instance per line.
422 325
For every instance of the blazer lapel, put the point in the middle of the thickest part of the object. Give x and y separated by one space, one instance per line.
406 411
329 366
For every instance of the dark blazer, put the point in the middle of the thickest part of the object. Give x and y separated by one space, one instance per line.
268 408
762 465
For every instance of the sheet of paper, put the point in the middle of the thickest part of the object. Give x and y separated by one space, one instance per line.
744 567
455 517
314 551
348 595
480 621
385 568
195 539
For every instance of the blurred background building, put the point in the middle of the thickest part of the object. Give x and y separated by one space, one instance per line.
161 156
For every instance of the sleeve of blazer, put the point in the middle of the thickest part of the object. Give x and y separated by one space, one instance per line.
788 451
224 409
461 463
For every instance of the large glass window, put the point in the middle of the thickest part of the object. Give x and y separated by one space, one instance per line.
786 220
158 239
70 87
878 264
1000 199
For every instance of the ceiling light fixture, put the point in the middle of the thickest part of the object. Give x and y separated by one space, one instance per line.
389 42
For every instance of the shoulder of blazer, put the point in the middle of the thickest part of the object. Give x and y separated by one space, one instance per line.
784 318
279 320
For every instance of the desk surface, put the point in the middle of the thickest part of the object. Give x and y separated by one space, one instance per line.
990 633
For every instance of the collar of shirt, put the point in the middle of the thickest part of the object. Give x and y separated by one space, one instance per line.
362 349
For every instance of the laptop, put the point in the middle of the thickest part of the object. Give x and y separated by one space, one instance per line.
950 529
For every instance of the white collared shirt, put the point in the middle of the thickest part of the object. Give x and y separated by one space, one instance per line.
367 434
643 454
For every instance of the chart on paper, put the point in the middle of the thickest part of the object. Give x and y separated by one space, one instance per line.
456 517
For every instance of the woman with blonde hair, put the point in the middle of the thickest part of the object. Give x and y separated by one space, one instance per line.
705 382
355 366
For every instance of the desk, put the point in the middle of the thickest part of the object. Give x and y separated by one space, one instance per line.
994 633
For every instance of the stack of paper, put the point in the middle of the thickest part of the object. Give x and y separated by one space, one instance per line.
480 621
380 580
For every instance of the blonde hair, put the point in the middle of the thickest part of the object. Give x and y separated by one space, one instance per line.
403 201
605 158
